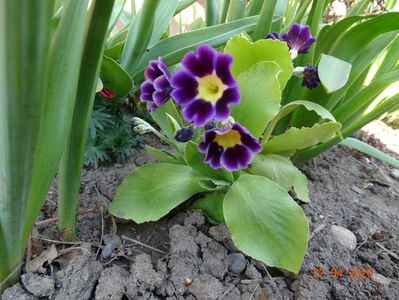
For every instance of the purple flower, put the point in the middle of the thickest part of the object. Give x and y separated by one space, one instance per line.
156 88
311 78
273 36
298 38
205 86
232 148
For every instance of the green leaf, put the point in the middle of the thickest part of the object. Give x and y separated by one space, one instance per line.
311 106
163 17
333 72
266 223
370 150
275 167
160 116
260 96
301 187
69 171
212 206
281 170
246 54
264 25
174 48
161 155
183 4
139 36
236 10
357 37
300 138
144 197
114 77
195 159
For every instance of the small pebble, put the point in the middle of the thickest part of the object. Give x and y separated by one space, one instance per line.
394 173
252 273
344 236
381 279
108 250
237 263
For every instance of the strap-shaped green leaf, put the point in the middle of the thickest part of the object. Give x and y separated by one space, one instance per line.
174 48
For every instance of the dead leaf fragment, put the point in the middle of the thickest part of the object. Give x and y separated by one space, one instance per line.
46 256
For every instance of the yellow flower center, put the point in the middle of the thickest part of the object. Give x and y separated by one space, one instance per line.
229 139
210 88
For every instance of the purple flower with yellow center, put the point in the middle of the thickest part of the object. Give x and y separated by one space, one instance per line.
232 148
298 38
205 86
156 88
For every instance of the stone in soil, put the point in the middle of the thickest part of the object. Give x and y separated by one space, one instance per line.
237 263
78 279
344 236
111 284
37 285
17 292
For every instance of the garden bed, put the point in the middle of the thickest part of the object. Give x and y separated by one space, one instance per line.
183 256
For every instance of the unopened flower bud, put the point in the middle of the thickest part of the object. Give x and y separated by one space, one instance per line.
185 134
210 125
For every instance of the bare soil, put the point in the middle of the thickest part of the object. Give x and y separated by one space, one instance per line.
183 256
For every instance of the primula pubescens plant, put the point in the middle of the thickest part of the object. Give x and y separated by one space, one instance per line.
219 124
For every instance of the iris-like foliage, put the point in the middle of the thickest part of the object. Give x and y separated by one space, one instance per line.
298 38
311 78
205 87
232 148
156 87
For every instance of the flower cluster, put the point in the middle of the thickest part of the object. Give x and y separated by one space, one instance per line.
204 88
299 39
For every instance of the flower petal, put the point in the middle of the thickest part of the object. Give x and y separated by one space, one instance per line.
183 80
222 65
237 157
206 57
199 112
146 91
213 155
161 83
160 97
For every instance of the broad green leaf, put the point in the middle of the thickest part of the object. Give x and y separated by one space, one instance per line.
333 72
195 159
370 150
114 77
275 167
300 138
301 187
246 54
152 190
161 155
174 48
212 206
311 106
260 96
281 170
266 223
